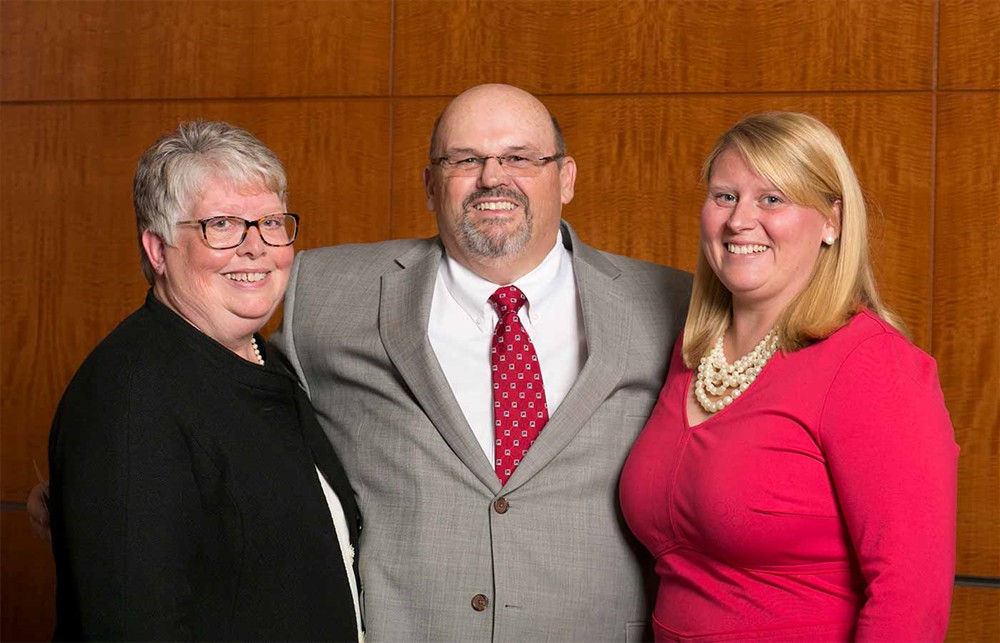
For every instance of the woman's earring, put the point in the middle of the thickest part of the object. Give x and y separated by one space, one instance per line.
829 240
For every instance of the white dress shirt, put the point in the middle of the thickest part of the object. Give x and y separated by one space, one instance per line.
461 327
344 540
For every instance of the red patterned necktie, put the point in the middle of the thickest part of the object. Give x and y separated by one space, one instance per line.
519 410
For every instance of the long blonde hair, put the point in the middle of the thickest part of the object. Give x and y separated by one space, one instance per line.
804 159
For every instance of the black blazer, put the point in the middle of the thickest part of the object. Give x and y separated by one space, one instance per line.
185 501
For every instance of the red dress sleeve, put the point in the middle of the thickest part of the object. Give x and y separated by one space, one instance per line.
893 461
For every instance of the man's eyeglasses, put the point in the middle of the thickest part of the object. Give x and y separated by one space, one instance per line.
512 164
223 233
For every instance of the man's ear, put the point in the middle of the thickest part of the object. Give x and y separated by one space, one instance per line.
154 246
429 187
567 179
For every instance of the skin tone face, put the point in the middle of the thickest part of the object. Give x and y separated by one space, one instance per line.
227 294
498 226
762 246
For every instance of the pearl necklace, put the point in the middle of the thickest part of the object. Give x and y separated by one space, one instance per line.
256 351
729 381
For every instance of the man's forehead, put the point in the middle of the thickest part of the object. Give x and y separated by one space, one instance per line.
492 119
497 136
488 148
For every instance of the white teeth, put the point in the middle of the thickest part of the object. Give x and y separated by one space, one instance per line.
246 277
744 250
496 205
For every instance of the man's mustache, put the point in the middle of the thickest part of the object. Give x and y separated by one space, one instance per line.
495 193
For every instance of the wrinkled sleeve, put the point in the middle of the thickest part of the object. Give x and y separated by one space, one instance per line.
893 460
125 512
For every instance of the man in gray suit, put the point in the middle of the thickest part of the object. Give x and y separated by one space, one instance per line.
393 341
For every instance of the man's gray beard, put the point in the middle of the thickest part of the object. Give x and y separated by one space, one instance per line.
482 244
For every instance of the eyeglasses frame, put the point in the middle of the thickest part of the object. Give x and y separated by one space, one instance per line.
444 163
247 224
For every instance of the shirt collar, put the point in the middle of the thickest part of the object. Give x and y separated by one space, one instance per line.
472 292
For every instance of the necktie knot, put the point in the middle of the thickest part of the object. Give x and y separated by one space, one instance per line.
508 300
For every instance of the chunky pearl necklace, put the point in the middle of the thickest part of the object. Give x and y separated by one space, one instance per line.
729 381
256 351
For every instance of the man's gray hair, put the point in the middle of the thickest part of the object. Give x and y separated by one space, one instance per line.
172 174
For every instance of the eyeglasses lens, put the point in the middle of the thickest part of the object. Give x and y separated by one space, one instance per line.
227 232
514 166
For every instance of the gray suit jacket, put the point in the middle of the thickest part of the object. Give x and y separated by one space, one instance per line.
558 563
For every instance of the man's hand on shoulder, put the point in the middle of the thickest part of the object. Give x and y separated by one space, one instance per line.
38 511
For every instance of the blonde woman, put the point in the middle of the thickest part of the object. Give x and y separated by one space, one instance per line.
797 477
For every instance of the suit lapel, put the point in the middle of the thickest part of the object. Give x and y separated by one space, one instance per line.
404 311
606 320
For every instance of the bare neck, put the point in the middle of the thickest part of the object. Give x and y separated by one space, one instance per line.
747 329
237 341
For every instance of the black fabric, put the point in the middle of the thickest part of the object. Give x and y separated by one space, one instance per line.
184 499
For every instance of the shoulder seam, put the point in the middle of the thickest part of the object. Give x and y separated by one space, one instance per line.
883 332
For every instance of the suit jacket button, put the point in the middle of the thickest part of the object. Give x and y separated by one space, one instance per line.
480 602
500 505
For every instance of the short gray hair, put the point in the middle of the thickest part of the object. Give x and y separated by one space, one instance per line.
172 173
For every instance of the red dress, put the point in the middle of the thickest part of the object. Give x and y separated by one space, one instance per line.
820 505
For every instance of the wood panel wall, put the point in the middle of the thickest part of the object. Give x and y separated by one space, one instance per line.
345 91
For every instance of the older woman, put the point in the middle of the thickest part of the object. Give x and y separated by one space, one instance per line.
194 496
797 478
